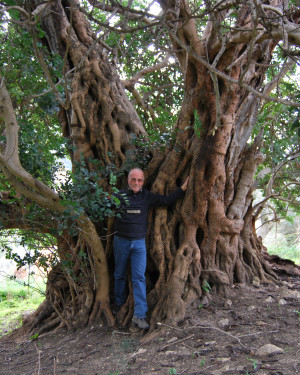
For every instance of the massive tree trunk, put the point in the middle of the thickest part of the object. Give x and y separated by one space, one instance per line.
209 235
99 121
211 238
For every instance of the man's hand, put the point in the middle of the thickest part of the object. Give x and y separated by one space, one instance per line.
185 184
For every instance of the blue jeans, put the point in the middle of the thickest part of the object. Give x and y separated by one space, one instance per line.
135 251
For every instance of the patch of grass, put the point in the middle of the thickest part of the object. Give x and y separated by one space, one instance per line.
254 362
292 252
15 301
202 362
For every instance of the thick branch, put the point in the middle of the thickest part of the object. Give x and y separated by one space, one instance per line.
211 69
10 159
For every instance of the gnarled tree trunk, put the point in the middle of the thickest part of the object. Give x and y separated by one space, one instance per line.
207 236
99 121
211 238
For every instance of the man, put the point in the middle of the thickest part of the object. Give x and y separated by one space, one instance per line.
129 241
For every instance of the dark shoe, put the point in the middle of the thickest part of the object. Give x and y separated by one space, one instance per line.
140 322
115 309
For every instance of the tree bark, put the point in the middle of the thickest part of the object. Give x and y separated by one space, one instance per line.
215 238
97 117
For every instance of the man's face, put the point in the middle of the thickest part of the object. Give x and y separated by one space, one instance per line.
136 180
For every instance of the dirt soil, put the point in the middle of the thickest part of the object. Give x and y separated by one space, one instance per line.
218 336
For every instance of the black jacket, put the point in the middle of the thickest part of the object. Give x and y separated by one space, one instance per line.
132 224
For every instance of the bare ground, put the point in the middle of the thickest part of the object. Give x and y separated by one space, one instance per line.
218 336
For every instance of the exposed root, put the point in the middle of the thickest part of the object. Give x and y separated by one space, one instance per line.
102 309
43 312
49 326
281 266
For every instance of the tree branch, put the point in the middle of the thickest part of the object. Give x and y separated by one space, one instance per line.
211 69
269 189
10 159
150 69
